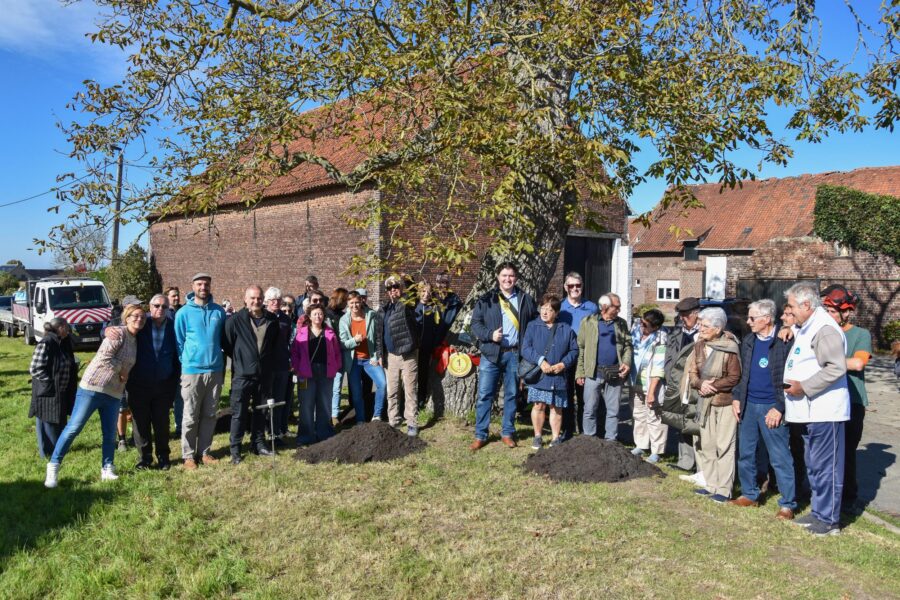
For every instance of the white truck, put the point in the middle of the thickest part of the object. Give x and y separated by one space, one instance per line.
84 303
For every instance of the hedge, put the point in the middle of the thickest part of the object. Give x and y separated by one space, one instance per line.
858 220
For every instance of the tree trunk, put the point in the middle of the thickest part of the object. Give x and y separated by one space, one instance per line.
545 207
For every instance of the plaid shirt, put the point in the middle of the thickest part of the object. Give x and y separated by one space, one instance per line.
41 368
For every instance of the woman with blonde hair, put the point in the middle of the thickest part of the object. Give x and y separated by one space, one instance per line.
101 389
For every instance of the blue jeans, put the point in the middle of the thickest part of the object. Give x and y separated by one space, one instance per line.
315 408
336 394
489 374
753 429
354 379
85 404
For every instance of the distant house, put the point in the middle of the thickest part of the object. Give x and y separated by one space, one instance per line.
21 273
756 240
299 228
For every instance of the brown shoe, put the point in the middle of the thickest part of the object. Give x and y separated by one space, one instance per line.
477 445
743 501
508 441
190 465
785 514
208 459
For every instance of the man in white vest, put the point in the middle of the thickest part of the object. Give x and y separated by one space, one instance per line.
816 396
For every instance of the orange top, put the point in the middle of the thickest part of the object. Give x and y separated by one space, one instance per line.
362 349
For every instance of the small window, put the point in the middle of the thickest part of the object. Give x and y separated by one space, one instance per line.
690 250
668 290
637 283
842 251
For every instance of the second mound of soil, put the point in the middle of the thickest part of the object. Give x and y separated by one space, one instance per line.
588 459
376 441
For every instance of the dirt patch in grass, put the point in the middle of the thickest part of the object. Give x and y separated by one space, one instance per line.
376 441
587 459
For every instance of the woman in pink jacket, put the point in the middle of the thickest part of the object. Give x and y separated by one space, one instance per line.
315 357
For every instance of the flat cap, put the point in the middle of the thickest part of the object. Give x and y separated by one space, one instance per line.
687 304
201 275
131 300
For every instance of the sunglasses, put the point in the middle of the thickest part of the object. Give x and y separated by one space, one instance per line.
393 286
157 305
573 286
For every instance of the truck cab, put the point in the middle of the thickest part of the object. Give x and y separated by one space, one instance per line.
84 303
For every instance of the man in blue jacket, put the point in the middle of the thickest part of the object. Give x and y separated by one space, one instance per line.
759 408
498 324
198 330
153 383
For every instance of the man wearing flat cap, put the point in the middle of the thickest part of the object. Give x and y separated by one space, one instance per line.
688 310
198 333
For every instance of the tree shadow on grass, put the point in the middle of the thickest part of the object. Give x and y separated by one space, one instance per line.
29 512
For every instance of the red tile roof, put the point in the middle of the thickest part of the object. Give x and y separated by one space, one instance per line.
750 215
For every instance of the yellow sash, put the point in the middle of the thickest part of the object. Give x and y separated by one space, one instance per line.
507 307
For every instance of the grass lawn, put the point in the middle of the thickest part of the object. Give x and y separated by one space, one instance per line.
440 524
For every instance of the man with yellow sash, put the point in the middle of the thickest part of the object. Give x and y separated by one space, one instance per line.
498 324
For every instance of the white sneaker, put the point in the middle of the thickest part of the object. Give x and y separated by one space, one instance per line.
697 479
108 473
52 473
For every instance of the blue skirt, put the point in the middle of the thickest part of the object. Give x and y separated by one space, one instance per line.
555 398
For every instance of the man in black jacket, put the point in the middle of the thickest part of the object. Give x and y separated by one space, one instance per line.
688 312
153 384
400 344
250 339
759 408
498 324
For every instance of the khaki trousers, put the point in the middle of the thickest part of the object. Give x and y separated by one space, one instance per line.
405 367
198 421
715 455
649 430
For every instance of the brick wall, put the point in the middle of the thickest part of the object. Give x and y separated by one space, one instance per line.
276 243
279 242
876 279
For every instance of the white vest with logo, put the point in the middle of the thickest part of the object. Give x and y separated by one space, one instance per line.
833 404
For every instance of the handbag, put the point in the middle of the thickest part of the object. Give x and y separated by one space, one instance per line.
529 372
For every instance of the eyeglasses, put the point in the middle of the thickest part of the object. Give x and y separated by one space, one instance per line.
157 306
573 286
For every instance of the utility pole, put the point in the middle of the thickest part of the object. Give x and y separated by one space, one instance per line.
115 240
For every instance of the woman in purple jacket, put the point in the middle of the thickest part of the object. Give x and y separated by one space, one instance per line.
552 346
315 357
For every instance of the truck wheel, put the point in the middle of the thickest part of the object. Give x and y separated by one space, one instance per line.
11 331
29 336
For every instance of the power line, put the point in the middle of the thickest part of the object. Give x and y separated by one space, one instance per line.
50 191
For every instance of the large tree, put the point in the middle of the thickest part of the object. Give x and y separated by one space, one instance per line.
508 106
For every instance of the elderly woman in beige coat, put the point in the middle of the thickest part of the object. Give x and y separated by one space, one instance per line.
714 368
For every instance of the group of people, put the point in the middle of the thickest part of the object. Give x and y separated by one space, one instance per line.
173 358
791 397
784 404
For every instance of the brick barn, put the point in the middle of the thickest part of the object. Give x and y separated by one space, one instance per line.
756 240
299 228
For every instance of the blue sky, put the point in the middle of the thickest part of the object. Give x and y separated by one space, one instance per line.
44 57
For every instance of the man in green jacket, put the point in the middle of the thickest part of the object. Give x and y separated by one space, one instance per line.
604 359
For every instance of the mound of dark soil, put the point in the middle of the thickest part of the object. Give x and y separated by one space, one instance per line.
376 441
587 459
